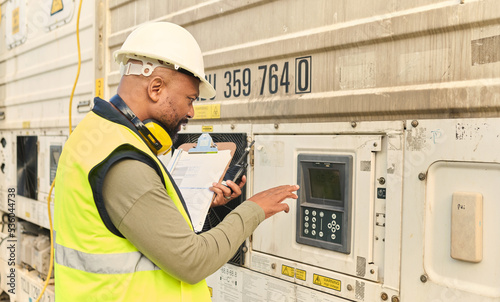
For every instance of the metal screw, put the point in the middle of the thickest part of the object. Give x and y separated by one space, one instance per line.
233 126
273 265
372 271
375 144
276 126
244 249
395 299
421 176
381 180
423 278
384 296
349 287
414 123
354 124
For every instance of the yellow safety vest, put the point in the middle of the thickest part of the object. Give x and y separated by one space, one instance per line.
91 262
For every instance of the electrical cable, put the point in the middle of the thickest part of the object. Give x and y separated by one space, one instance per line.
51 264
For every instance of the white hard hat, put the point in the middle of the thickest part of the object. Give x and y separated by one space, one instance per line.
171 45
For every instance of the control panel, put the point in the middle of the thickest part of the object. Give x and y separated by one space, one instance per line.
324 203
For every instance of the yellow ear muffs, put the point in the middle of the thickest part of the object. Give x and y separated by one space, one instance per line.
159 134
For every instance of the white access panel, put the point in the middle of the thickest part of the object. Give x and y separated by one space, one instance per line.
374 249
276 164
444 158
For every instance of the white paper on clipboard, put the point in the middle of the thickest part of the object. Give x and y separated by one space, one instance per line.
194 175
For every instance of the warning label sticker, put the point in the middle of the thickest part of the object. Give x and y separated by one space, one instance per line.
327 282
15 21
211 111
287 271
300 274
57 6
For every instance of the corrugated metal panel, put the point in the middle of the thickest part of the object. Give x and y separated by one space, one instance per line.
358 60
37 75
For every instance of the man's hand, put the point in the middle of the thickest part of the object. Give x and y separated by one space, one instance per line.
223 194
270 200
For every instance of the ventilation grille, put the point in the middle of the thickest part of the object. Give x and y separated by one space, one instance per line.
361 267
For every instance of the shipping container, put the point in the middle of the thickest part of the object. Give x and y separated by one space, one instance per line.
393 106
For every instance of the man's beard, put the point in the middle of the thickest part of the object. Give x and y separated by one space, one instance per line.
172 131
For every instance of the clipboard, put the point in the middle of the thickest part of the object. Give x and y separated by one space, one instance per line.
194 167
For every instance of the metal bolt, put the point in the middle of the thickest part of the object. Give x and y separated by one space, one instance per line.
233 126
354 124
276 126
375 144
381 180
395 299
423 278
372 271
244 249
384 296
421 176
414 123
273 265
349 287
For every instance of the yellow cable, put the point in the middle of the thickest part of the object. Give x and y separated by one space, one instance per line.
79 65
51 264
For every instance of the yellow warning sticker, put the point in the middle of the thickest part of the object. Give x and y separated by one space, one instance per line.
57 6
15 21
207 128
99 88
211 111
300 274
287 271
327 282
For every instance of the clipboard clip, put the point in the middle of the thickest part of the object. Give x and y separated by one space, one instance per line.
205 145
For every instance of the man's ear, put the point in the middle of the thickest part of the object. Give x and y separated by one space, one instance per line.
155 87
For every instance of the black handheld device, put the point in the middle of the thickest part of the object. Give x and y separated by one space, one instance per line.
236 172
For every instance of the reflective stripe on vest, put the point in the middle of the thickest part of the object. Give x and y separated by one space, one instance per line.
122 263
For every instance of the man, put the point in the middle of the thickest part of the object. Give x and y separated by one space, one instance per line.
122 229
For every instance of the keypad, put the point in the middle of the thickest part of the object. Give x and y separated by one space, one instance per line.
324 225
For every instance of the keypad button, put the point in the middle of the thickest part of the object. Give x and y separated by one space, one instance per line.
334 216
313 233
306 231
321 214
320 234
306 212
337 227
313 226
306 218
313 219
313 213
306 224
329 225
333 236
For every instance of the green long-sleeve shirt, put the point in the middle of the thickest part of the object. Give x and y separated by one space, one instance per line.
142 211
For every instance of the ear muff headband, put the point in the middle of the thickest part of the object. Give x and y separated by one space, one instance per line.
159 146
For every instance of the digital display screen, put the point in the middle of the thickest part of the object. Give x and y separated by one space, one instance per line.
325 184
